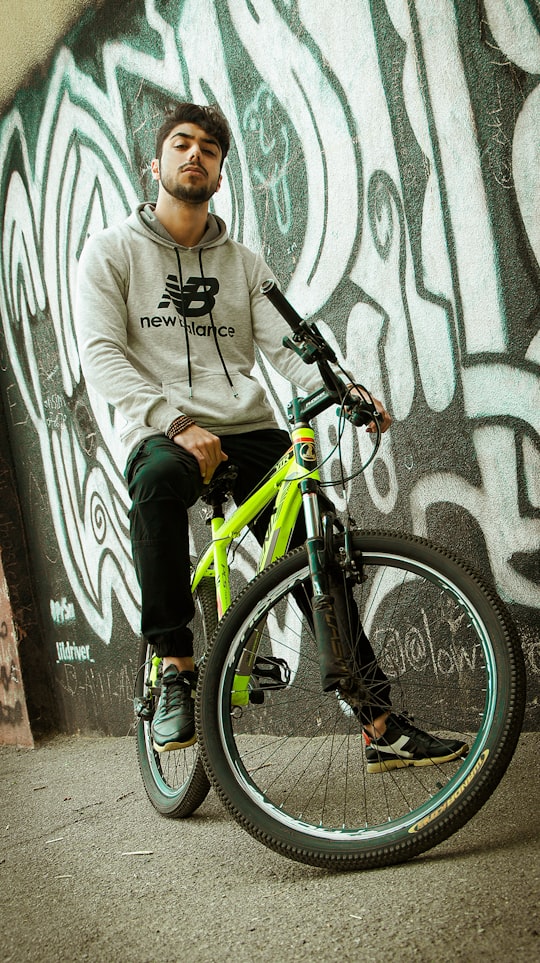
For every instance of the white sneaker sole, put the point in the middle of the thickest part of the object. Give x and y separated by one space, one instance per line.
384 765
171 746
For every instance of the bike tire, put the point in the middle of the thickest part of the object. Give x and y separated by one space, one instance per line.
175 782
292 768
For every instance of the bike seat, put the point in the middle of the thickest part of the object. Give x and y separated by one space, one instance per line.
221 485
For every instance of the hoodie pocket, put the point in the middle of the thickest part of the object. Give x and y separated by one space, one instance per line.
215 402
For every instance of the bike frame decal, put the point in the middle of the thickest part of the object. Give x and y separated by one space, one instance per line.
280 529
431 817
305 449
221 567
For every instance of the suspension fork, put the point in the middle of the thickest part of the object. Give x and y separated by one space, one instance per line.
330 646
333 650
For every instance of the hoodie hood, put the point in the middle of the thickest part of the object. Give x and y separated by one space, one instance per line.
144 220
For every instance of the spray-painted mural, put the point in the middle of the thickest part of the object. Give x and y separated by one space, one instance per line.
386 163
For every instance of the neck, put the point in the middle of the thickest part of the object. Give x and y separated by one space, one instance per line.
186 223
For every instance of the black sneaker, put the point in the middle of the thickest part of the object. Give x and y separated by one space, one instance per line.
173 726
404 745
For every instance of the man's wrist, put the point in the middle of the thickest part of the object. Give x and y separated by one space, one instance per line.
179 425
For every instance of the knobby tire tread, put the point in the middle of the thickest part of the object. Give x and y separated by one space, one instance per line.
460 810
197 786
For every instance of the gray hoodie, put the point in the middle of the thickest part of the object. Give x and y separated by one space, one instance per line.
165 330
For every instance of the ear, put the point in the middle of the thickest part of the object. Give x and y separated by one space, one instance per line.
155 169
218 185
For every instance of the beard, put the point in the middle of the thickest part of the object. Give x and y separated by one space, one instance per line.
189 193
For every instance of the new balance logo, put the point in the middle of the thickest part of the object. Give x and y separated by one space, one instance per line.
194 300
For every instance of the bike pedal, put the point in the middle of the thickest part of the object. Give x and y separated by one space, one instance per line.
143 709
270 673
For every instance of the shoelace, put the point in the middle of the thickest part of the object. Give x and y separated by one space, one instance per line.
176 691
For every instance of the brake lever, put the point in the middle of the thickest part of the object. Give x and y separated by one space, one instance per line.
360 413
310 345
307 341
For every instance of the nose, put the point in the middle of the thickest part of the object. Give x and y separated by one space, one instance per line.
195 152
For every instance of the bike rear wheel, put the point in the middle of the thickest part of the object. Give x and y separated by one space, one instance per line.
291 767
175 782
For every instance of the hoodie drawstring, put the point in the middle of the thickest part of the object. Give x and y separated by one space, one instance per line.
212 325
214 332
188 352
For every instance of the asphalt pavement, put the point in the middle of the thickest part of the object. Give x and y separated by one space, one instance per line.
90 872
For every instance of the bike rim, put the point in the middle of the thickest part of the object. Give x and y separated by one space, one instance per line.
442 792
170 771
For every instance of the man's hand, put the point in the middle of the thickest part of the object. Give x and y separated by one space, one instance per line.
205 447
384 418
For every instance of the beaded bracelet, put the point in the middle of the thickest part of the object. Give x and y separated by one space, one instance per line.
178 425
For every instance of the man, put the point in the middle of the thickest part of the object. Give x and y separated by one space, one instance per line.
168 314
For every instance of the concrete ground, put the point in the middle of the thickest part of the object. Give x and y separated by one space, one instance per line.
90 872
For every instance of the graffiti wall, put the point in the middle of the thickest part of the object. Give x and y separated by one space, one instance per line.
386 163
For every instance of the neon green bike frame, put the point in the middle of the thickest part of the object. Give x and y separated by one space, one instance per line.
285 480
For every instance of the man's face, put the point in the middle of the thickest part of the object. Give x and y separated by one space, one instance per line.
190 164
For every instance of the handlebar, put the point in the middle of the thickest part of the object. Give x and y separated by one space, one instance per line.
309 343
285 308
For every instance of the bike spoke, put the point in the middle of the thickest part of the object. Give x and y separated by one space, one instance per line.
295 763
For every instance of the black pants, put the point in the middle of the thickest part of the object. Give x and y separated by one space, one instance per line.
164 481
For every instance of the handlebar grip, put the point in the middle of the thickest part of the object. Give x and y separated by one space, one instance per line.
278 299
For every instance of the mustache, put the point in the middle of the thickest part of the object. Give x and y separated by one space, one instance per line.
197 167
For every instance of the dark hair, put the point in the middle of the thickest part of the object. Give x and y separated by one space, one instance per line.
210 119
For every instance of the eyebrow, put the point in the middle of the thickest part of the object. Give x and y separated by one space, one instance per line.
185 135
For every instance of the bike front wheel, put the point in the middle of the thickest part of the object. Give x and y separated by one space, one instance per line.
175 782
290 764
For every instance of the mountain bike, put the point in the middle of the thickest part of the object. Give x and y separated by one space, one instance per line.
296 663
